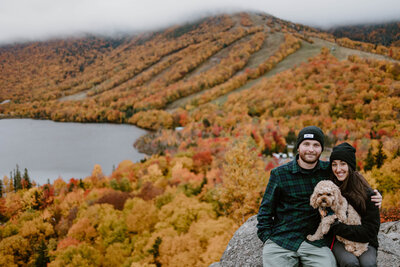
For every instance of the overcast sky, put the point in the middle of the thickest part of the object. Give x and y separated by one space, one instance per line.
38 19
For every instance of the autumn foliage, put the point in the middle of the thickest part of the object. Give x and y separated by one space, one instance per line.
181 205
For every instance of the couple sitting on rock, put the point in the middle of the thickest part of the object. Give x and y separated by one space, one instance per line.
286 218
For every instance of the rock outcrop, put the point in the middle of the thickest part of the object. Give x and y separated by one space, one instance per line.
245 248
389 244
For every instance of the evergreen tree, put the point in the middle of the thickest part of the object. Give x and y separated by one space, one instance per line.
291 138
17 179
369 161
37 202
329 140
81 184
42 257
397 153
156 251
380 156
27 179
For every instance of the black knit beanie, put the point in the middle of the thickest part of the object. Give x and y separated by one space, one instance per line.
310 133
344 152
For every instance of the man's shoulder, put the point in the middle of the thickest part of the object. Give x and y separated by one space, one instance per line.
287 167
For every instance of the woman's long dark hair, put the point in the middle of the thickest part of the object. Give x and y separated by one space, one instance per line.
354 189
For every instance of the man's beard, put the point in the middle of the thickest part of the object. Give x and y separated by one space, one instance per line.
304 158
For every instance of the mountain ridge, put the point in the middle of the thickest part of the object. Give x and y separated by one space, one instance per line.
386 34
80 69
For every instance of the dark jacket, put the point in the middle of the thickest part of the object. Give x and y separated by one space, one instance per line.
369 228
285 214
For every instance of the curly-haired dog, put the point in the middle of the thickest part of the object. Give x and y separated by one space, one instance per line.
327 195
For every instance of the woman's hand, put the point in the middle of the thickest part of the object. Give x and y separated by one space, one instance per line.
377 198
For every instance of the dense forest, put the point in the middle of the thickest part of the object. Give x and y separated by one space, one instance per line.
220 120
387 34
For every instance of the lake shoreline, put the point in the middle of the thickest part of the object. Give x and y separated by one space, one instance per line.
49 149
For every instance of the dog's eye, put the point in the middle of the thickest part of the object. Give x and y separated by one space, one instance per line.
329 194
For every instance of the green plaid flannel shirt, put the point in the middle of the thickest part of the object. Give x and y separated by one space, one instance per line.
285 215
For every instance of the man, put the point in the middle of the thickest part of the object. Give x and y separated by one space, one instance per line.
285 217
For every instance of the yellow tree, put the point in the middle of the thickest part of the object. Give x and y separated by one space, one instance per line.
14 251
83 230
243 180
387 179
141 215
7 185
117 254
81 255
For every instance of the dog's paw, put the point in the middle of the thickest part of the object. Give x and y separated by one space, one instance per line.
359 250
358 253
352 249
311 238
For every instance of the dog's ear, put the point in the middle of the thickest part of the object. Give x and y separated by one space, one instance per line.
340 205
313 200
338 199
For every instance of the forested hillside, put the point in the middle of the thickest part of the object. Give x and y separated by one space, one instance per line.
384 34
225 98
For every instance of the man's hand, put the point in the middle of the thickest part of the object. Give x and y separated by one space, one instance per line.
377 198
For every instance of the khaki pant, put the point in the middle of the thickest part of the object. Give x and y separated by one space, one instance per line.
307 254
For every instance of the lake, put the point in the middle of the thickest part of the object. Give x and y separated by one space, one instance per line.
51 149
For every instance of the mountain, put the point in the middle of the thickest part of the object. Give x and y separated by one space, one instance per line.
97 79
225 98
387 34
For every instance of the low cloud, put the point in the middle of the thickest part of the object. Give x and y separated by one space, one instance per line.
22 20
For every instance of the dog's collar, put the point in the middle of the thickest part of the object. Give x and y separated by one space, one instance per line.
330 211
326 212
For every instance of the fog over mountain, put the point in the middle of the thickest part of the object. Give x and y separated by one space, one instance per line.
22 20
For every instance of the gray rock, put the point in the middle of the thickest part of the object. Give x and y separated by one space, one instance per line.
245 248
389 244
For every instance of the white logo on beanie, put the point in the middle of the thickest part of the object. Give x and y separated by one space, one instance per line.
308 135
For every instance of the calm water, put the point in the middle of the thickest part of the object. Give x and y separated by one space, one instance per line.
52 149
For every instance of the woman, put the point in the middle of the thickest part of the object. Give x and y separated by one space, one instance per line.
358 193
